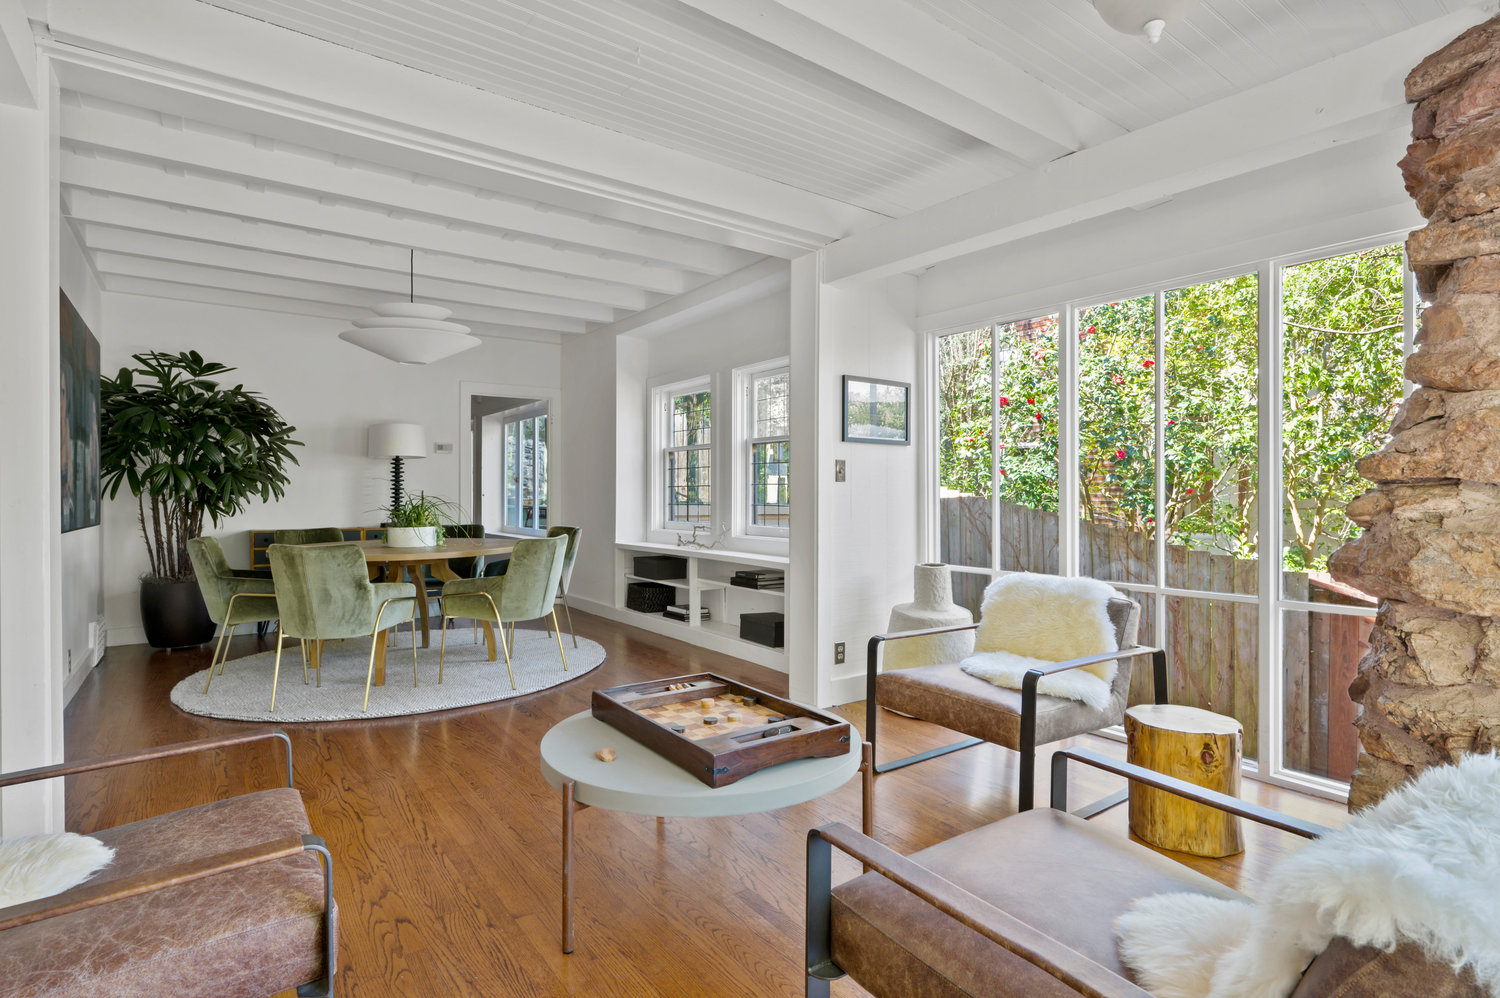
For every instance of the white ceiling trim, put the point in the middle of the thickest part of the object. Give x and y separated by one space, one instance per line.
215 54
244 160
152 217
894 50
1348 97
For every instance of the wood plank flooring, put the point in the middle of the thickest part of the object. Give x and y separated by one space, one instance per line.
447 839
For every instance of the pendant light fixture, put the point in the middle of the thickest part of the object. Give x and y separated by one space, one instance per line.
409 333
1142 17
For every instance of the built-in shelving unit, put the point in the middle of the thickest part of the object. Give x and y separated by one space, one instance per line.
707 585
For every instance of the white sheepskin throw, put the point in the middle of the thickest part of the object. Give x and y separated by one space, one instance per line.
1028 620
1421 866
43 865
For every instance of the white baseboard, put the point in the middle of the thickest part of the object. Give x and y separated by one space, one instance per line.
128 634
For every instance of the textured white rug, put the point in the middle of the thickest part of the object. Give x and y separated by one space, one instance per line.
243 692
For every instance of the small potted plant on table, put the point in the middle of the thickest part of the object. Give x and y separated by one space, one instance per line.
417 521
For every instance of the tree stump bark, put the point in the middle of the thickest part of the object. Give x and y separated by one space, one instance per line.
1193 745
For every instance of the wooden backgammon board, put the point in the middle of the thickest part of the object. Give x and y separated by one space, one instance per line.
717 729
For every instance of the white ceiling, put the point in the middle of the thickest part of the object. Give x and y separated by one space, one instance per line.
558 165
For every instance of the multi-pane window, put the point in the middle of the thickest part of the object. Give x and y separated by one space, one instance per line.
686 456
525 438
1204 468
770 450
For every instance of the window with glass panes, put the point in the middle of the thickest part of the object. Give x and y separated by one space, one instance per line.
770 450
686 459
525 438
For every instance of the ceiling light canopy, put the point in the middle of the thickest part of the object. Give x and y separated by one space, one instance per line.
1142 17
409 333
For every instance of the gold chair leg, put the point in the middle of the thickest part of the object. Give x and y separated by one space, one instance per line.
569 611
370 672
442 650
414 653
304 665
509 669
557 632
223 644
276 672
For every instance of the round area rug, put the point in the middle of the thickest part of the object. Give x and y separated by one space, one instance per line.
243 692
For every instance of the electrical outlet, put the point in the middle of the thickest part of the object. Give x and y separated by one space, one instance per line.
838 473
838 653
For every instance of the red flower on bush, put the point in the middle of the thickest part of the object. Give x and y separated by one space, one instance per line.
1171 422
1031 401
1120 454
1038 417
1189 491
1091 330
1005 400
1148 364
1116 379
1002 471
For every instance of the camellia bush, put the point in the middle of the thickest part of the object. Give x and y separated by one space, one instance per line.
1341 384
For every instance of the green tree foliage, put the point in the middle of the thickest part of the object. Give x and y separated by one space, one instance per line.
1342 382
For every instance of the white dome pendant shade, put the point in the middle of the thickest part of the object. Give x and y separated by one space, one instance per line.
409 333
1142 17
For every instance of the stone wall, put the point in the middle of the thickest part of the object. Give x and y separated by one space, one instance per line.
1430 684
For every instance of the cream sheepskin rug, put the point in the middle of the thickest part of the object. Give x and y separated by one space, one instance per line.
1028 620
1423 866
43 865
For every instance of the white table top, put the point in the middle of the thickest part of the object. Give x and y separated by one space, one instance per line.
639 781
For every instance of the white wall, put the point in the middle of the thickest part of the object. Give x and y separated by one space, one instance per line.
331 391
82 601
31 685
1345 193
584 463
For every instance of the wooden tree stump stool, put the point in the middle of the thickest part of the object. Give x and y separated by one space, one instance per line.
1194 745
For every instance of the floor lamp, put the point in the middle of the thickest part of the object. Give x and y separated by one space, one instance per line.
397 441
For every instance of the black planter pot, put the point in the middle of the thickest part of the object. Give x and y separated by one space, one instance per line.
174 615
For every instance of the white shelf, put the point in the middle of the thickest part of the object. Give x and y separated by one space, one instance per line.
711 554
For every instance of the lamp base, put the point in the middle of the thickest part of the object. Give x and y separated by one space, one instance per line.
397 475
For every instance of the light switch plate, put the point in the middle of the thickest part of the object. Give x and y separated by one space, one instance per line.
442 448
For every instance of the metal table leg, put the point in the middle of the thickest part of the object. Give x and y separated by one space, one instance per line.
569 808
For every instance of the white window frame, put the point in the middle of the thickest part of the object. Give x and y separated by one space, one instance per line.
745 379
661 445
1272 603
514 417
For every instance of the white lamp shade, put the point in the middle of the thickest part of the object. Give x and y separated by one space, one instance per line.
398 440
410 333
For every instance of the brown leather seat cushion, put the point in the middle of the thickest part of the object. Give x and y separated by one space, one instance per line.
1348 971
1051 870
946 695
252 932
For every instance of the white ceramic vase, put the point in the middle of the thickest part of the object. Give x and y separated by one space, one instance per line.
411 537
933 607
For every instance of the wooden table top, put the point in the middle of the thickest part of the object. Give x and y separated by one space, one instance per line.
454 547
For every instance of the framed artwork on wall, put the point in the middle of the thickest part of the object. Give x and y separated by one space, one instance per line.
78 380
876 411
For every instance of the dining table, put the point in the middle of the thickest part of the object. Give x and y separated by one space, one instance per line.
411 562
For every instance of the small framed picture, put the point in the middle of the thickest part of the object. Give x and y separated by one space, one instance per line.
876 411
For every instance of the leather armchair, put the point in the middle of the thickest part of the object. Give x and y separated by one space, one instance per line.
228 898
1035 915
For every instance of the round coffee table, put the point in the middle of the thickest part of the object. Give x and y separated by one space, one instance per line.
639 781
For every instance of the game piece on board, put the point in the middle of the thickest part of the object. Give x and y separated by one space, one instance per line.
678 728
706 704
748 701
710 719
733 716
773 720
605 755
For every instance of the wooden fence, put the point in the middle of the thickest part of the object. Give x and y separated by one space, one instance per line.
1213 645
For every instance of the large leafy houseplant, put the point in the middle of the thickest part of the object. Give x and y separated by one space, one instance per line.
188 447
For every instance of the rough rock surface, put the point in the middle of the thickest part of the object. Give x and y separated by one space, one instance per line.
1441 435
1458 344
1453 62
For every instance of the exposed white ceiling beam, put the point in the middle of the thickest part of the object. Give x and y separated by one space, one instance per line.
292 306
311 290
17 56
138 180
149 216
392 283
214 65
1343 99
730 291
896 50
245 160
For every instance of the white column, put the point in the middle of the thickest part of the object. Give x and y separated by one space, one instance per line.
31 676
810 677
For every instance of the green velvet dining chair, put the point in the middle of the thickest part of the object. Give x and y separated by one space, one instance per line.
572 534
325 592
526 591
233 597
308 535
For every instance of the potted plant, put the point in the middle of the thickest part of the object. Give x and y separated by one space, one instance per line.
187 447
417 521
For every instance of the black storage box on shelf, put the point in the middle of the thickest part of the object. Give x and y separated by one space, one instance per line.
660 566
763 628
648 597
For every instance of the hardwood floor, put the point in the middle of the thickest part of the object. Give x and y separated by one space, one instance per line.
447 840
